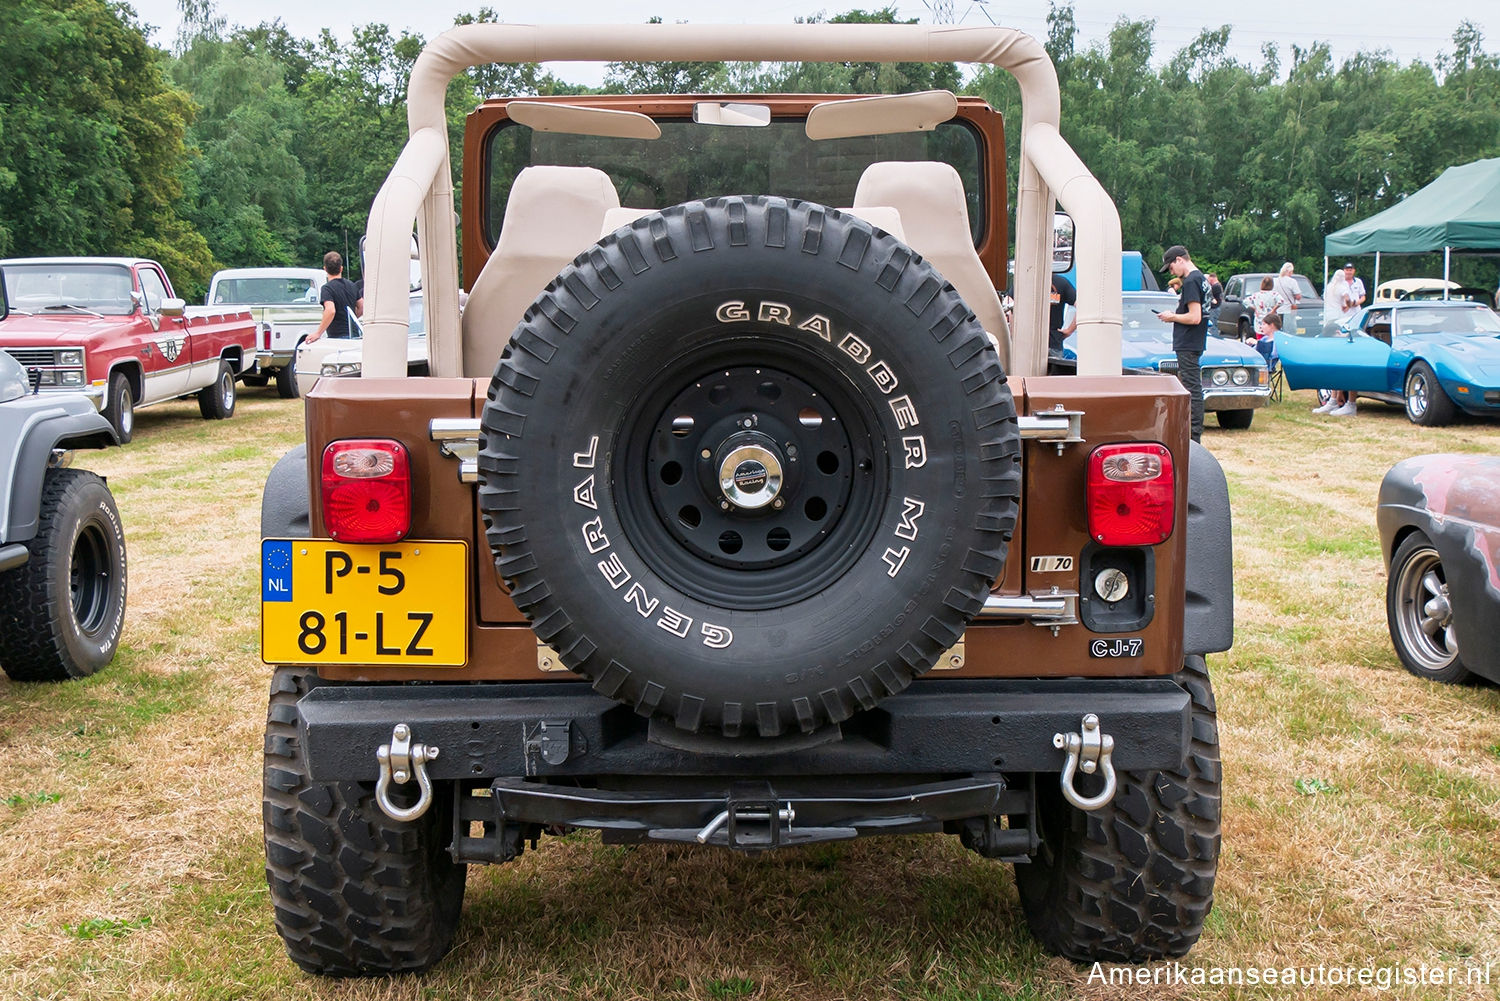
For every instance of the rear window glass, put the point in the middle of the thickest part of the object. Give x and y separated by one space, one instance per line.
265 291
692 161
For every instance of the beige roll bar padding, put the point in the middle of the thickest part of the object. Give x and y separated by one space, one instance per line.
1047 165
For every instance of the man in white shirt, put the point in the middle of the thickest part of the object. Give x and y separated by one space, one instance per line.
1355 294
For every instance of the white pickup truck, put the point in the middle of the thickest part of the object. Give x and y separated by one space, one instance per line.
285 301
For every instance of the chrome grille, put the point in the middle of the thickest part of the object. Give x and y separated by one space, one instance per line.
33 356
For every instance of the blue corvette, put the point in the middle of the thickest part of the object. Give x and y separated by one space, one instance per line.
1235 381
1433 358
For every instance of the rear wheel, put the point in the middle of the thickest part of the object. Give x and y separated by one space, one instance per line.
1132 881
355 893
1419 613
1427 402
62 611
216 401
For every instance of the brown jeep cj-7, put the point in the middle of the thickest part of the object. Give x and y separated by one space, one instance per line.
734 513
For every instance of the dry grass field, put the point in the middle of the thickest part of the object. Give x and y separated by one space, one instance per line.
1361 813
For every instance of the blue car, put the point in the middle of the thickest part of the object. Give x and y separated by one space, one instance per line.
1235 380
1433 358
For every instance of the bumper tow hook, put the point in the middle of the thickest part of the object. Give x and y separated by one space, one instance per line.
1089 751
400 762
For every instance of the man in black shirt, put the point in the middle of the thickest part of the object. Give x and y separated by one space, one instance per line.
1189 327
339 297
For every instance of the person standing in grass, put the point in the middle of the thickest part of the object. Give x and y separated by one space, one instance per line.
1189 327
340 297
1286 287
1335 304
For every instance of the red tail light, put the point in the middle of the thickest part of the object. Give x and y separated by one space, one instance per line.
366 490
1132 494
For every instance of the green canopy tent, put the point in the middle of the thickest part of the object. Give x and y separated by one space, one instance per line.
1458 211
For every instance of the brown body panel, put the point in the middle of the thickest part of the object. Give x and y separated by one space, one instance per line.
502 646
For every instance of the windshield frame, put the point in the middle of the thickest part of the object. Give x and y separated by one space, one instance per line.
984 125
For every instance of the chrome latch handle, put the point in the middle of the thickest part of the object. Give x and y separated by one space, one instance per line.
400 762
1090 750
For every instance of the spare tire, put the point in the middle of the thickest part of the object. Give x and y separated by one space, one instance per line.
749 465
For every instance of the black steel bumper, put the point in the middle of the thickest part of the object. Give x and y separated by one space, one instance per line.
564 731
753 816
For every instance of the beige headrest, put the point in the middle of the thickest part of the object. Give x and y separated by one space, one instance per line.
930 198
554 211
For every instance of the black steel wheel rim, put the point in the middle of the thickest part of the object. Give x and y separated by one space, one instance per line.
745 414
90 575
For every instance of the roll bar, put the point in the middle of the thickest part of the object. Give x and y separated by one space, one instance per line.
420 185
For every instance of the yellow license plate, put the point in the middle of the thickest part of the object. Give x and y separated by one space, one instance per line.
402 604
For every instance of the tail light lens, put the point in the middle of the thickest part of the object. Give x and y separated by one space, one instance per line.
366 490
1132 494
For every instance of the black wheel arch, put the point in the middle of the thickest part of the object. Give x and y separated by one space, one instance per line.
133 375
286 501
1208 612
33 456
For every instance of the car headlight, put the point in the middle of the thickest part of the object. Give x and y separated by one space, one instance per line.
73 378
340 368
70 356
1241 377
1220 377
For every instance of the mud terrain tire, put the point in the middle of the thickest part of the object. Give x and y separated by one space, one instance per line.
688 359
1132 881
62 611
355 893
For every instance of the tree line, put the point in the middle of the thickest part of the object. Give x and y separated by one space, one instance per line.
249 146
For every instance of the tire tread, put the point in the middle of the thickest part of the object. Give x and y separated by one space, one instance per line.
354 892
1133 881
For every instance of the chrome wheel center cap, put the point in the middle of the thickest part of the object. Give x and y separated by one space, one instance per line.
750 476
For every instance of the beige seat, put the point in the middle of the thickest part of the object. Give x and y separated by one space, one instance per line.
929 196
553 215
881 216
616 218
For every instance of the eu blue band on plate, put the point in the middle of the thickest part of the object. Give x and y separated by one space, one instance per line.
275 571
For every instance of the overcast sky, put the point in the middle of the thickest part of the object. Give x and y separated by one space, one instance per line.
1408 29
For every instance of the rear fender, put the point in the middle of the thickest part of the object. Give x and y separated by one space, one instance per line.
286 506
1208 615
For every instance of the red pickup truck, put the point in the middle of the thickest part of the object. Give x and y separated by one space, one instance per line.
113 328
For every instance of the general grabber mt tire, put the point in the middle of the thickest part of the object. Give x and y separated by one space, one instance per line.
62 611
749 465
356 893
1132 881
